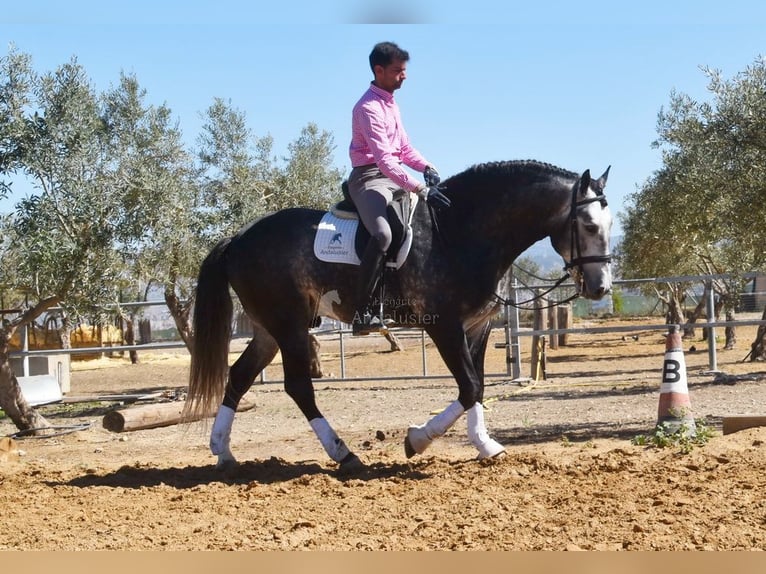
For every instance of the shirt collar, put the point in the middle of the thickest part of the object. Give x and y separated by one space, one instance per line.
381 93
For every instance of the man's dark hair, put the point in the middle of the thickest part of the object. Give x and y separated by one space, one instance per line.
386 52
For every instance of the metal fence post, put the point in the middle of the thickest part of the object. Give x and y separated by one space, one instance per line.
342 356
513 320
711 351
25 348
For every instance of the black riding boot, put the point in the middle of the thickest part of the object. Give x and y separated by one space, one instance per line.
367 317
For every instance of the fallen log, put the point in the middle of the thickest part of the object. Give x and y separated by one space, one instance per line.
737 423
155 416
111 398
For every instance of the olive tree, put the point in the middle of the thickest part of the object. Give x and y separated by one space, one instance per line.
68 240
703 211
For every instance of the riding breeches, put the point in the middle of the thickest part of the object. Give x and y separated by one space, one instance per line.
371 192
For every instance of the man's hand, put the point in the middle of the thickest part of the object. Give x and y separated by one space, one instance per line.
434 197
431 176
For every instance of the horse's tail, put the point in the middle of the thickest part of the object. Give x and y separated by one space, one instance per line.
211 322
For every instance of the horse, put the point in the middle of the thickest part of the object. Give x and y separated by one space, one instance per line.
447 286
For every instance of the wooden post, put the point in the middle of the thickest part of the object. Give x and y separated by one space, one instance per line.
565 322
737 423
145 331
538 342
553 320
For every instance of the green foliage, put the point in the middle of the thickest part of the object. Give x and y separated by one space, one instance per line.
119 204
703 211
618 301
235 172
705 206
665 436
308 178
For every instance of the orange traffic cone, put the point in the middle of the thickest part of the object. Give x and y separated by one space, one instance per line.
675 408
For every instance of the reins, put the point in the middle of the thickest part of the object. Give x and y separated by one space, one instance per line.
512 303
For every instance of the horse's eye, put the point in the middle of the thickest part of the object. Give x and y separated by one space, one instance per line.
591 228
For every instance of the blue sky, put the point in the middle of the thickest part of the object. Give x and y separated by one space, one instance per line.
576 84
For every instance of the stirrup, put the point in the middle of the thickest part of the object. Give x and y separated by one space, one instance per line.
368 324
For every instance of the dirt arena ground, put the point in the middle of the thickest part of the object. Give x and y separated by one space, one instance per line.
572 477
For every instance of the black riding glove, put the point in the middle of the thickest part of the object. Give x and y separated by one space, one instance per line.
431 176
434 197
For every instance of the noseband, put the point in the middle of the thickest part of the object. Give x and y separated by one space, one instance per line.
578 261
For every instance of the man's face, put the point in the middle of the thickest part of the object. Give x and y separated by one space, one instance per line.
390 77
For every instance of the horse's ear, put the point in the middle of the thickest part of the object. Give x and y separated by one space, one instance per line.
601 181
585 182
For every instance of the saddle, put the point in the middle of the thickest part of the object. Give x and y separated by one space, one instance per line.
342 221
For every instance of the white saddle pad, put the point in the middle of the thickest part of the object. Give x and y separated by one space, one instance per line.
334 240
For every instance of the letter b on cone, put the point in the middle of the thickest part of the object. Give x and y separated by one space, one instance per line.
675 408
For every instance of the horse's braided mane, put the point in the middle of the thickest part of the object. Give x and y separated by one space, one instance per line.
517 166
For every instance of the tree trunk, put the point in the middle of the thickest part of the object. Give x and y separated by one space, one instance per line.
689 331
758 347
731 332
12 401
316 363
391 338
181 315
675 313
130 338
66 331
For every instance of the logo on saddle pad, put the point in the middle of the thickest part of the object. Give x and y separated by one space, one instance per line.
334 240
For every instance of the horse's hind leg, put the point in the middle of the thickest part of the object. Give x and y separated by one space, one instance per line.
296 358
258 354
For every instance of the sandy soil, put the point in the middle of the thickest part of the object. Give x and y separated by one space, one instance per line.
571 479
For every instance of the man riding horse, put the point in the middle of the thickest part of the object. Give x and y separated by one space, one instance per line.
379 147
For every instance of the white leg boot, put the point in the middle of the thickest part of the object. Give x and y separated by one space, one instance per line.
220 437
333 445
420 437
478 435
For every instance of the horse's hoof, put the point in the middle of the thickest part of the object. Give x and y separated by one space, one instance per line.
496 456
490 449
227 466
350 465
416 441
408 450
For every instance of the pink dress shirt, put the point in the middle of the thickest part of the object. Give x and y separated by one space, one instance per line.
378 137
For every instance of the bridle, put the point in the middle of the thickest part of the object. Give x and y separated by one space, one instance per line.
574 267
579 260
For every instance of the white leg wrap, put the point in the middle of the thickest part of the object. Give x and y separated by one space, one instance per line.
420 437
478 435
220 436
333 445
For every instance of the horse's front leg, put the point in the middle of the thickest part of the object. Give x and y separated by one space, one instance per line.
478 434
477 338
454 349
